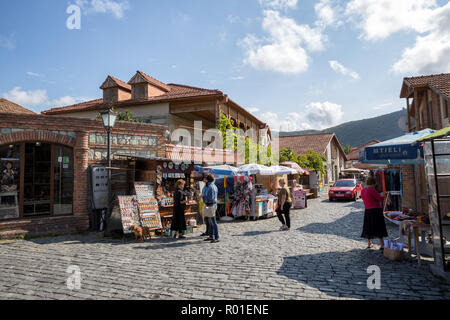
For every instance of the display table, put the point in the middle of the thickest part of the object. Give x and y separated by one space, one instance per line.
166 213
412 229
265 206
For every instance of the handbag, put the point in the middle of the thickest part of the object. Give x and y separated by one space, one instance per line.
210 211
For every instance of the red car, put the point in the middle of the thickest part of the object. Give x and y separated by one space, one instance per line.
345 189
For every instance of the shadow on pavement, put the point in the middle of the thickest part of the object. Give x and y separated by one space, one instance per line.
349 226
254 233
344 274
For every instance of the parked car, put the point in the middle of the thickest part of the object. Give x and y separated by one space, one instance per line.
345 189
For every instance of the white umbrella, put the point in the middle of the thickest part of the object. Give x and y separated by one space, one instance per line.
253 168
280 170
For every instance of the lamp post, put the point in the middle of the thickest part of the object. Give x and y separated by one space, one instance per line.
109 119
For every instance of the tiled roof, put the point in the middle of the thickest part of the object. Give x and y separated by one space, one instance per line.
301 144
7 106
176 91
354 154
120 83
153 81
440 82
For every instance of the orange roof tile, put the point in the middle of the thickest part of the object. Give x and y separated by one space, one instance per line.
153 81
176 91
7 106
440 82
302 143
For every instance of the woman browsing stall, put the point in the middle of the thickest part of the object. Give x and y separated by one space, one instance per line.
179 201
374 225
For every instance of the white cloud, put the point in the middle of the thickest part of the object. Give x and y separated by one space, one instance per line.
34 74
339 68
65 101
39 98
284 50
430 53
324 114
320 115
328 13
238 78
252 109
378 19
7 42
26 98
116 8
278 4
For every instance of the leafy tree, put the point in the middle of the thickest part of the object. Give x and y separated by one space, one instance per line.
313 161
347 149
123 116
286 154
251 147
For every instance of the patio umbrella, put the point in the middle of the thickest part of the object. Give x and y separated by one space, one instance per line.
223 170
280 170
253 168
294 166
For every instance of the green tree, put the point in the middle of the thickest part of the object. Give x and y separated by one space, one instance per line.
286 154
251 147
313 161
123 116
347 149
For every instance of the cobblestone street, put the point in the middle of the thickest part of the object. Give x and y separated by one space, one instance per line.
321 257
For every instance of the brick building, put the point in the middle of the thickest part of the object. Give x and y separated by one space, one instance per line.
44 167
428 105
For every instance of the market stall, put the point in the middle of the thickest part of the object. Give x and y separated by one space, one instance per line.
404 150
160 175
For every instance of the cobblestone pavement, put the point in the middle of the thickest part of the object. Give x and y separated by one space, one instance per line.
321 257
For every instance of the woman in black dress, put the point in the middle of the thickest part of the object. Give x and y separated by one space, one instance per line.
179 206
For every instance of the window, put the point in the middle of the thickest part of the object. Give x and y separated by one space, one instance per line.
63 180
9 181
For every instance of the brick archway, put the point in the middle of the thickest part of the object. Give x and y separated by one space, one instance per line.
38 135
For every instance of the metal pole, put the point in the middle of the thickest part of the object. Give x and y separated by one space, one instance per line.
109 164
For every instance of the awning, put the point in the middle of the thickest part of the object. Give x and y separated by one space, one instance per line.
253 168
400 150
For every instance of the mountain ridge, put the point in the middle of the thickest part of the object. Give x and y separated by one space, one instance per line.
358 132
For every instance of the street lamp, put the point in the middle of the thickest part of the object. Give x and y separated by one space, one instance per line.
109 119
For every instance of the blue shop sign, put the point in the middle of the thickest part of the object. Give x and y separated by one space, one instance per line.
406 151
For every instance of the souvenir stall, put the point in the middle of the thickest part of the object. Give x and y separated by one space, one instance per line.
225 181
161 174
414 228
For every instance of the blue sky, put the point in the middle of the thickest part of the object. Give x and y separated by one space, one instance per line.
296 64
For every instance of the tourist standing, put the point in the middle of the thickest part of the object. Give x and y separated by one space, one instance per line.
210 200
374 225
179 206
284 206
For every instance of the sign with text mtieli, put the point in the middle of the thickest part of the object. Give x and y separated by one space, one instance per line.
405 151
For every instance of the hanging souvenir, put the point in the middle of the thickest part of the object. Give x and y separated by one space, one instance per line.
165 165
171 165
158 169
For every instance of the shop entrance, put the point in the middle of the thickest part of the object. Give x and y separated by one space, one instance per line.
37 179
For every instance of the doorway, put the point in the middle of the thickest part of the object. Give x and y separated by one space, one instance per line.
37 179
